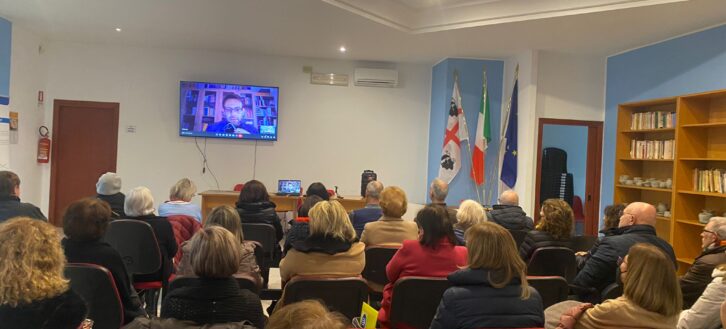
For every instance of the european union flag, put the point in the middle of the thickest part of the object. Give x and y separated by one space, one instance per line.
509 165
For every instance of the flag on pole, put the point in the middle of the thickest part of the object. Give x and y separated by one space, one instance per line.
482 138
456 132
509 165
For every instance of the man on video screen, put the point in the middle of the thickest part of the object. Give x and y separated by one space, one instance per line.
234 114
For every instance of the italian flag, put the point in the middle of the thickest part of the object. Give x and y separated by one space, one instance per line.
483 136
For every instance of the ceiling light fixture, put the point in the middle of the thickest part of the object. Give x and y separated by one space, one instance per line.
118 29
342 49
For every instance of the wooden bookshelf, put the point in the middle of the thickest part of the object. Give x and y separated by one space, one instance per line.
700 143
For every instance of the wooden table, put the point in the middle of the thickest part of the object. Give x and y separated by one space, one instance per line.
211 199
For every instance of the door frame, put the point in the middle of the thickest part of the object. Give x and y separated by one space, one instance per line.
55 146
592 175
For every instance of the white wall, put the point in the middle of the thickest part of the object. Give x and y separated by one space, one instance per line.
28 70
328 134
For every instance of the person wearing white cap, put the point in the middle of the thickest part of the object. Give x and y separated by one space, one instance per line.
108 188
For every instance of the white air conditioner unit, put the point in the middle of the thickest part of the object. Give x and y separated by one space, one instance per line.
376 78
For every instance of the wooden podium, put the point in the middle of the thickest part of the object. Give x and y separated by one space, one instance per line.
211 199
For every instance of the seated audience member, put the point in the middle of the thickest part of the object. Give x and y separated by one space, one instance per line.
180 197
318 189
10 205
704 314
331 249
390 229
307 314
469 214
215 296
651 296
713 242
637 224
611 219
496 274
372 211
108 189
227 218
300 228
509 214
139 205
435 254
254 206
33 291
553 230
84 224
438 192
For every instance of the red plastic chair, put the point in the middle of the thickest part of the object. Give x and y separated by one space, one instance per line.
238 187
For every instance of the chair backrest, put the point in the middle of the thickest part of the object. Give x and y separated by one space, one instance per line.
583 242
377 257
552 289
238 187
344 295
136 242
558 261
415 300
262 233
244 282
96 286
518 236
612 291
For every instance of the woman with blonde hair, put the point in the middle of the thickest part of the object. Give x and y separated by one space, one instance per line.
307 314
495 274
651 295
469 214
553 230
33 291
215 296
180 197
226 217
331 249
390 229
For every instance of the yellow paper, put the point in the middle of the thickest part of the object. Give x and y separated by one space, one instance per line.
368 316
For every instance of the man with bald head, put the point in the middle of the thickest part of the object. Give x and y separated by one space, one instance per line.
637 225
372 211
509 214
438 192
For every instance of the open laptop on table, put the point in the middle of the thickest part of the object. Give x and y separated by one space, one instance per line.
288 187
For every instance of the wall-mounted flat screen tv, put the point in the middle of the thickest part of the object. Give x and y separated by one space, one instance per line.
222 110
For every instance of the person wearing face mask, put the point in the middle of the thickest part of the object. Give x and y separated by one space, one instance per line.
713 242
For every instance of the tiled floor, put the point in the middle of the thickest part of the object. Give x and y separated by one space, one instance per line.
275 283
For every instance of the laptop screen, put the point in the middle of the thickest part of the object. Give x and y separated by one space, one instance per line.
288 186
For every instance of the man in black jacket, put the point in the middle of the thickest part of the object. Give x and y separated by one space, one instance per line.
713 242
638 225
10 205
509 214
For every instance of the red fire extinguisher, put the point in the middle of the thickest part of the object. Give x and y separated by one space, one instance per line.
43 145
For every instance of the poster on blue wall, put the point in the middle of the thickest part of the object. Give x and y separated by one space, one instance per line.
5 35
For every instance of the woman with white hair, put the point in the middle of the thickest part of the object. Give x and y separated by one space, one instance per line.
469 214
139 205
180 197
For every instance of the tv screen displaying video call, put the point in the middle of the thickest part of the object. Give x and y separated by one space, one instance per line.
222 110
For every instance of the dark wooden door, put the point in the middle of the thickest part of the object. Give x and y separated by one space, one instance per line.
85 136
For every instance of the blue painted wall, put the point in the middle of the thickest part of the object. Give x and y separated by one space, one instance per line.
572 139
470 84
5 42
688 64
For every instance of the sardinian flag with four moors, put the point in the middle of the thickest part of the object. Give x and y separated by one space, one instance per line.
456 132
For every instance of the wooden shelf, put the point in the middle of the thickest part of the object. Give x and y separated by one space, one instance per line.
657 160
690 222
705 125
660 130
685 260
662 218
635 187
718 195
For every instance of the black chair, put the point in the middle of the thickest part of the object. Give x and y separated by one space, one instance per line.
96 286
136 243
344 295
377 257
583 242
612 291
518 236
552 289
415 300
553 261
244 282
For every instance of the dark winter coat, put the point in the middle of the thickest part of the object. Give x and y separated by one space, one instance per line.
65 311
260 212
12 207
694 282
539 239
511 217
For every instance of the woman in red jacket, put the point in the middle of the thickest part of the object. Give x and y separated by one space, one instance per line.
435 254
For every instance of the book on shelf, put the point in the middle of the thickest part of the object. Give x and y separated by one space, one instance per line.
709 180
652 120
652 149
